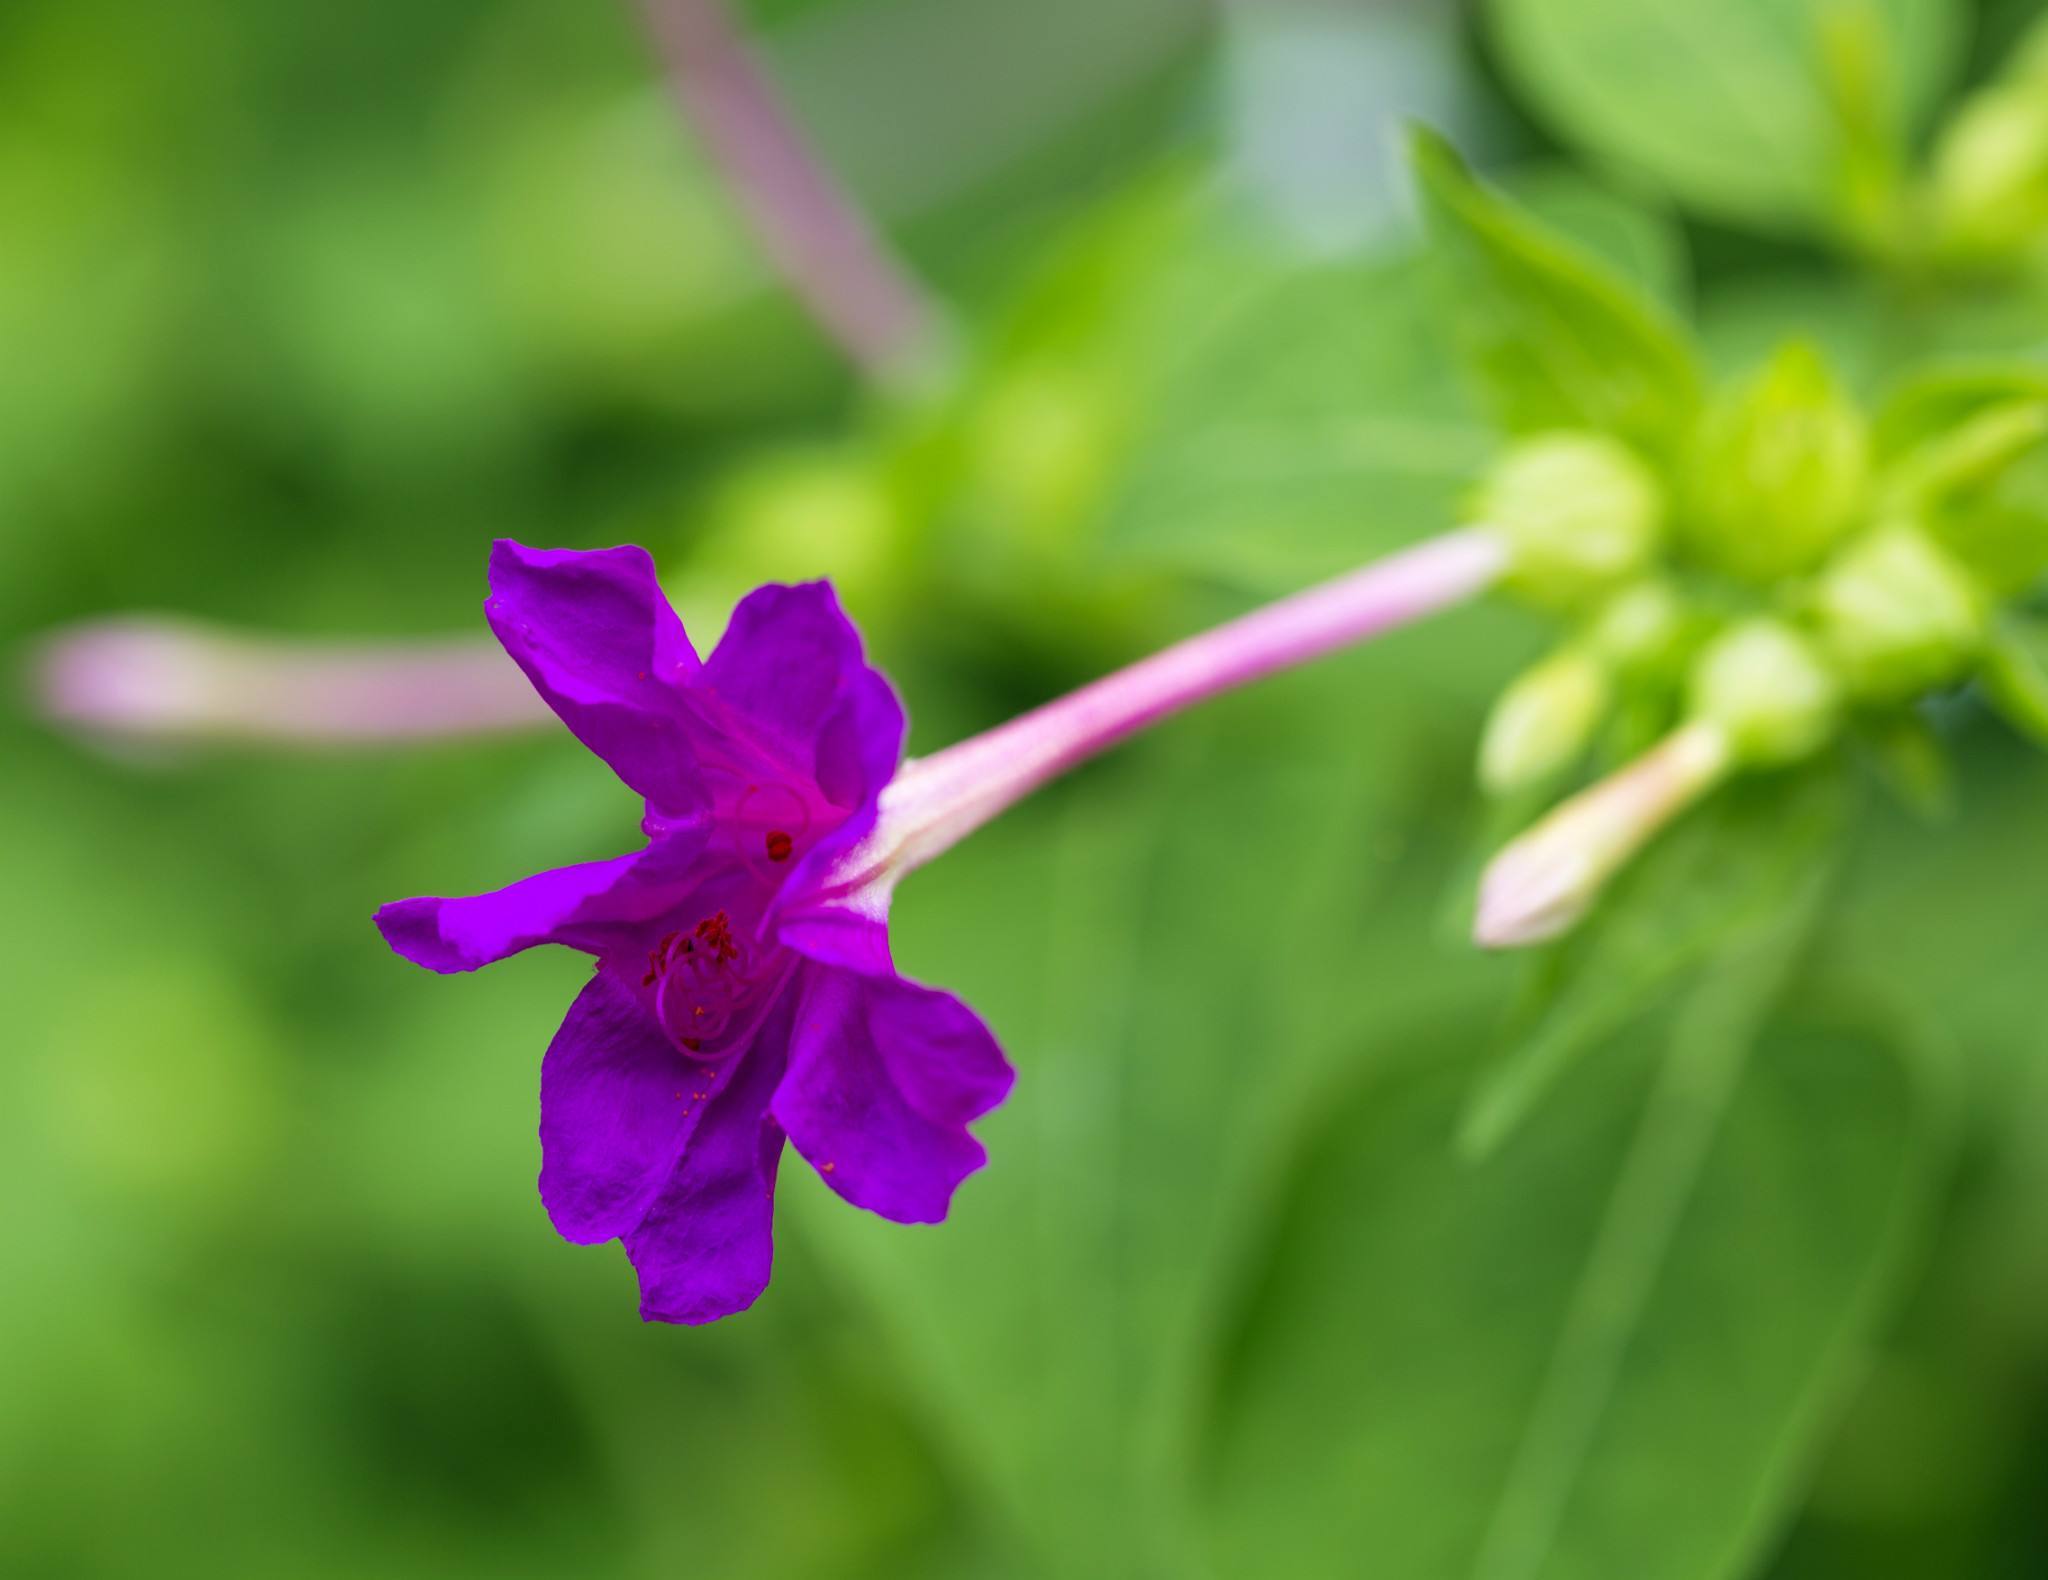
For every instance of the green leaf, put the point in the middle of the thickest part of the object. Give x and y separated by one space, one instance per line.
1298 415
1852 319
1311 423
1608 1350
1910 761
2015 673
1782 113
1754 859
1639 241
1981 488
1555 338
1935 401
1178 952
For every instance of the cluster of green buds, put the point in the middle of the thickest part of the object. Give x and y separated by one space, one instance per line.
1748 575
1795 571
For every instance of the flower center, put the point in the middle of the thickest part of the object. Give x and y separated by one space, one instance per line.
704 980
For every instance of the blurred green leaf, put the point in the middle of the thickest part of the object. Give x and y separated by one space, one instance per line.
1311 425
1556 339
1935 400
2015 673
1857 324
1910 762
1174 957
1762 111
1981 488
1605 1351
1751 864
1638 240
1303 414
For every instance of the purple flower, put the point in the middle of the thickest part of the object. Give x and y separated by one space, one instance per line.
742 992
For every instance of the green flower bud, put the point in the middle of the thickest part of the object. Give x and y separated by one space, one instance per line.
1991 176
1898 615
1766 690
1580 513
1542 722
1640 628
1780 470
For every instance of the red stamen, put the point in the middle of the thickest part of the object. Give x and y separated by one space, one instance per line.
715 931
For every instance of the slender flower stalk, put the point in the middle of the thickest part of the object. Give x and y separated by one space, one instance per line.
832 257
936 801
182 681
1544 882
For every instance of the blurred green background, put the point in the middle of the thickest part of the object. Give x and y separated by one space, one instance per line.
300 306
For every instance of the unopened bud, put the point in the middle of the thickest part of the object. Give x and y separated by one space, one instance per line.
1543 883
1780 471
1580 514
1542 722
1767 691
1898 615
1640 628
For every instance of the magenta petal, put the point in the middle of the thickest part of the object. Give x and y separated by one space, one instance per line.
593 906
790 663
858 751
601 645
883 1077
705 1247
861 740
837 934
617 1103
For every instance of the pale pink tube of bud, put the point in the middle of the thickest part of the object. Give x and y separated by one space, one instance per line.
177 681
935 801
1543 883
